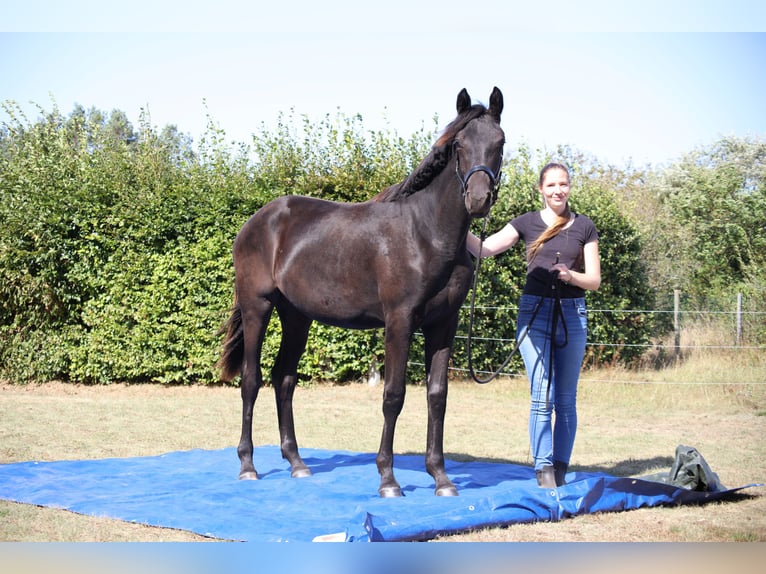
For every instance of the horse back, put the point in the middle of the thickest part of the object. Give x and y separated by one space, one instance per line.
326 258
345 264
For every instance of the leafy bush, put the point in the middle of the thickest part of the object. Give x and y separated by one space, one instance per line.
115 243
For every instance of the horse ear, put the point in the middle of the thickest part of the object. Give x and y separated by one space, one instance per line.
463 101
496 103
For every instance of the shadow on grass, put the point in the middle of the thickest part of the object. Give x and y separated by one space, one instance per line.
629 467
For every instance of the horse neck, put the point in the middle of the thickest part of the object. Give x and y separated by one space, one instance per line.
443 209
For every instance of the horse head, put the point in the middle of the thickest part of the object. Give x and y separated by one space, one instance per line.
478 152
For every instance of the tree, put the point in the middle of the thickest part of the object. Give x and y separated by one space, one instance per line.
715 198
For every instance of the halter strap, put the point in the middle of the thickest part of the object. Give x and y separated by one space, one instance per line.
495 179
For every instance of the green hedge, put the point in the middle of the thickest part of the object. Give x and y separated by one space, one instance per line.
115 244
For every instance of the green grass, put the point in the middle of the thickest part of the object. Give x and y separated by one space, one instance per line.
630 424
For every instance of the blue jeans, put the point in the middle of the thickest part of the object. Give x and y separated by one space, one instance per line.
549 441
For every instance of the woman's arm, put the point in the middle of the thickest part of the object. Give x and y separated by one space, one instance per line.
495 244
590 279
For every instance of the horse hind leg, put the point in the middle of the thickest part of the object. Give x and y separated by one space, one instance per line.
284 378
255 320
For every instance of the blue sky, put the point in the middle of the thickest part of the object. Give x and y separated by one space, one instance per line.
622 83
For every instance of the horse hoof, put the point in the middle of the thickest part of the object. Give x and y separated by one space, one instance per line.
446 491
249 475
390 492
301 473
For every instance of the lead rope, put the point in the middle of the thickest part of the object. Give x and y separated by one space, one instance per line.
557 313
472 309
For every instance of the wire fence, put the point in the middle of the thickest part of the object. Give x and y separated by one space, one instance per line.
737 318
754 315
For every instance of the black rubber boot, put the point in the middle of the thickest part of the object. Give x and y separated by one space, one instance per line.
560 471
546 477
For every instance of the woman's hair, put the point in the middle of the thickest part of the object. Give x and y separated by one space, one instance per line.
561 220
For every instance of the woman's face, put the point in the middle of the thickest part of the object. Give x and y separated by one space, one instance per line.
555 189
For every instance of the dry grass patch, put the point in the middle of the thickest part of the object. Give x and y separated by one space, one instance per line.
626 428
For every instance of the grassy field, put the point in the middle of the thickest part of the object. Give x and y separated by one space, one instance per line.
630 424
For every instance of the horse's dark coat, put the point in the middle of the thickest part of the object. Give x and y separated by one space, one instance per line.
398 261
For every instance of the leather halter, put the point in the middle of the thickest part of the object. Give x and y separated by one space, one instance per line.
495 179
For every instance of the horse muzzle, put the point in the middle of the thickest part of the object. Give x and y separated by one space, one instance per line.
478 204
479 195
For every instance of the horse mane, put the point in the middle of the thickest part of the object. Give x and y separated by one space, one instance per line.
436 160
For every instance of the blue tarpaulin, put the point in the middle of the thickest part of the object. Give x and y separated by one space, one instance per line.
199 491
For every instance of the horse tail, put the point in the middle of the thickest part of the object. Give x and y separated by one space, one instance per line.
232 355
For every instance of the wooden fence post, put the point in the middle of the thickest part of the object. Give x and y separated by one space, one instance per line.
739 319
677 320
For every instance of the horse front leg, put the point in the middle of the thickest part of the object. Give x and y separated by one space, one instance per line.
438 347
284 378
397 349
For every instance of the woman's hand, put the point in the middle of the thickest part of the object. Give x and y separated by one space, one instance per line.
565 274
590 279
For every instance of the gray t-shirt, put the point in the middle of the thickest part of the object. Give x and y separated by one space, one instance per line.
567 246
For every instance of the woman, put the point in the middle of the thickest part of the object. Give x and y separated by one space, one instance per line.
562 263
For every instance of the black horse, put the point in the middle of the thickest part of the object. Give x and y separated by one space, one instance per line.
397 261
